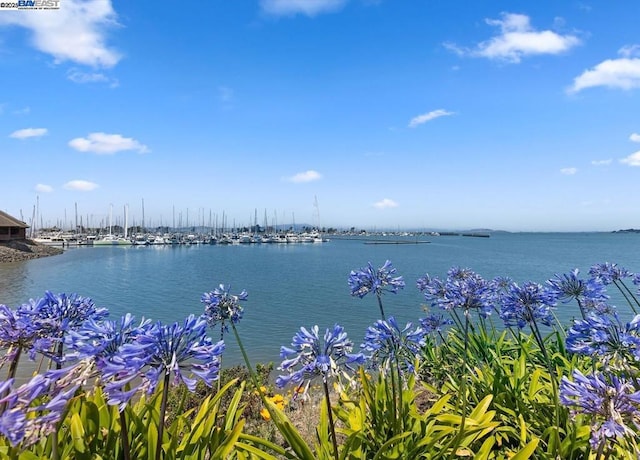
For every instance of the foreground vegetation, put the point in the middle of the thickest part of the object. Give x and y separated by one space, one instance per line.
486 373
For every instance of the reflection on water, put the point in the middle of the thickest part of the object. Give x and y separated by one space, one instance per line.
13 279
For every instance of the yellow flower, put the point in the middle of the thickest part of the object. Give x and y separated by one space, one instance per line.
265 414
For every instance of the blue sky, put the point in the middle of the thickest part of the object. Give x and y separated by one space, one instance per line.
518 115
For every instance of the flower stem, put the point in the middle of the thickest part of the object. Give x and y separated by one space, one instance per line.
12 373
384 318
124 436
463 386
331 423
14 363
163 410
620 284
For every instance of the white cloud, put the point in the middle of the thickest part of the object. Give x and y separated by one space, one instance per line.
635 137
28 132
601 162
78 76
569 171
632 160
307 176
75 32
307 7
425 117
629 51
517 39
43 188
23 111
81 185
385 204
622 73
107 144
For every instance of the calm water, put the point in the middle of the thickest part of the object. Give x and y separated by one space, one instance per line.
297 285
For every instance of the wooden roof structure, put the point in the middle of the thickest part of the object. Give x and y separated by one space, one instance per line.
8 221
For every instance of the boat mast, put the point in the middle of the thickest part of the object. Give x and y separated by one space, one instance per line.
126 217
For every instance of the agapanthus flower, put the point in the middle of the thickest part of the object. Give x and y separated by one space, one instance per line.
18 332
57 314
501 283
527 304
386 342
606 337
102 340
378 281
32 410
222 307
608 273
164 350
463 289
434 323
310 356
612 402
570 286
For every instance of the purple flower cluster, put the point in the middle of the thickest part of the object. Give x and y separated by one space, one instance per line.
527 304
607 338
222 307
17 333
310 356
608 273
33 410
159 351
124 356
613 403
55 315
569 287
369 279
386 342
463 289
434 323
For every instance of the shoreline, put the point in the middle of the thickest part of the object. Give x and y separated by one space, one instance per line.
18 251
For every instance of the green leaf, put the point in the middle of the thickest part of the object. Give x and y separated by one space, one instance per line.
77 433
527 451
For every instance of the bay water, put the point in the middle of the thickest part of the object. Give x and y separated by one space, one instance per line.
293 285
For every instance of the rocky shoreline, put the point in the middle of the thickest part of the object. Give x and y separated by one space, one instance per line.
16 251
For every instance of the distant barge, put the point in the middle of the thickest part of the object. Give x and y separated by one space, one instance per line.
396 242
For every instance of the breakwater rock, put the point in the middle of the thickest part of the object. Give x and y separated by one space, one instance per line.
16 251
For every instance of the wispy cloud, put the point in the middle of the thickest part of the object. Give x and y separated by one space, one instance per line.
425 117
621 73
306 176
306 7
22 111
517 38
569 171
78 76
28 132
81 185
76 32
107 144
635 137
385 203
43 188
601 162
632 160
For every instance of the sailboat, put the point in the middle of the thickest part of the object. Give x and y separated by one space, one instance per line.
113 240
